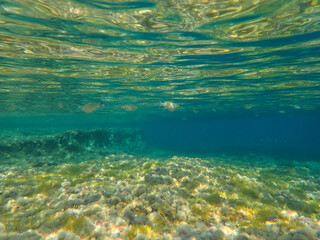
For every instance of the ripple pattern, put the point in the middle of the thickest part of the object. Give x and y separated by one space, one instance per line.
223 56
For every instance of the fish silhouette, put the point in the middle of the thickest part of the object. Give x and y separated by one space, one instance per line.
90 107
170 106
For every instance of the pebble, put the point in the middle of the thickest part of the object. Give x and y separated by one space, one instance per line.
218 235
2 227
225 210
63 235
155 217
86 228
301 234
181 215
71 203
128 214
139 190
66 184
183 231
140 220
120 222
242 237
114 200
141 237
21 201
290 214
92 197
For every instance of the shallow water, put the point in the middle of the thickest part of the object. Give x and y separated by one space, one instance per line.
190 119
224 56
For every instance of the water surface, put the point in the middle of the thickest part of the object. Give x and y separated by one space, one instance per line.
206 56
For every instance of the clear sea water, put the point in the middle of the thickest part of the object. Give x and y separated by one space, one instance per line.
197 77
245 74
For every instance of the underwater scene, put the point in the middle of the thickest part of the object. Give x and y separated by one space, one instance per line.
160 119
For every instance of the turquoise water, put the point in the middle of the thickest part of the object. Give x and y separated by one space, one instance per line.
187 119
224 56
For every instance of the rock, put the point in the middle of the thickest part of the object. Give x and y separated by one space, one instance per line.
272 229
183 231
203 227
196 234
141 237
151 198
92 197
124 197
63 235
10 194
207 236
181 215
225 211
120 222
71 203
300 234
66 184
218 235
140 220
14 236
21 201
242 237
155 218
2 227
107 193
30 235
139 190
290 214
298 205
115 234
128 214
154 179
166 237
45 230
228 188
114 200
168 180
92 210
85 228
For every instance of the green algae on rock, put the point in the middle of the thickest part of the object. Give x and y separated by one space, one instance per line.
126 196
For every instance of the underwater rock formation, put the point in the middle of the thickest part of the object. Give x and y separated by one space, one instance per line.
41 150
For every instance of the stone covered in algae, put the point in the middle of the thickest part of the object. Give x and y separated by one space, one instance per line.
120 196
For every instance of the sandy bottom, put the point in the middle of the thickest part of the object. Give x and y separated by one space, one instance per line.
176 197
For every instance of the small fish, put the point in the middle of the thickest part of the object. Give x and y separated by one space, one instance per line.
170 106
129 107
248 106
60 105
11 107
90 107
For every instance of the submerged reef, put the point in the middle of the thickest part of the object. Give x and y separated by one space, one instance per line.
72 145
123 196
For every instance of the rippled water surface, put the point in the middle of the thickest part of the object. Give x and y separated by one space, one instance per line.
127 57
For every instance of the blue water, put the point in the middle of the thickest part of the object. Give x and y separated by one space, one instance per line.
244 75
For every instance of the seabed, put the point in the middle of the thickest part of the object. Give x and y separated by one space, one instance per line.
47 191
